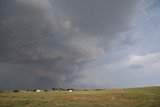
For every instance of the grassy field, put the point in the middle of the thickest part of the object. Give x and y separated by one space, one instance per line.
133 97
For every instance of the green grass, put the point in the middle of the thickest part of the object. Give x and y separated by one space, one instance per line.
133 97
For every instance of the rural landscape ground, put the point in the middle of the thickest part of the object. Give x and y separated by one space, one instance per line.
131 97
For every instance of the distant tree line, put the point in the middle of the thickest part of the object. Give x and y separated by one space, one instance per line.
61 89
52 89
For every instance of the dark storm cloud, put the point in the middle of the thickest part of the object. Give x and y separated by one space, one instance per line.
45 43
100 18
27 28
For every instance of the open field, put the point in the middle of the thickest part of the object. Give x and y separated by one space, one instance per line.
133 97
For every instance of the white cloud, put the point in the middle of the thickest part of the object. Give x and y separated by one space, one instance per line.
144 59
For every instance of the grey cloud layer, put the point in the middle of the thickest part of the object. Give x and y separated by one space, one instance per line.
45 43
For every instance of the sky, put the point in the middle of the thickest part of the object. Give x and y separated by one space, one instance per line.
83 44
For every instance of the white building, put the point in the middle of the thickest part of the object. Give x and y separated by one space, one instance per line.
69 90
39 90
